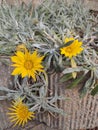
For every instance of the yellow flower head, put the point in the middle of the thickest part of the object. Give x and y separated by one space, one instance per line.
72 50
20 113
27 64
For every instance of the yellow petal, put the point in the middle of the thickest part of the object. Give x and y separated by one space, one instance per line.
16 71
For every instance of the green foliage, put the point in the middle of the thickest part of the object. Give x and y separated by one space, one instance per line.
49 23
44 28
95 90
35 95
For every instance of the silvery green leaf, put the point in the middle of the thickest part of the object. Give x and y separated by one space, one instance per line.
70 70
49 61
90 81
42 92
55 109
6 89
96 72
3 98
88 84
35 107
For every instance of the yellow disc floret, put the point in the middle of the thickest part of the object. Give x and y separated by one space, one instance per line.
20 113
27 64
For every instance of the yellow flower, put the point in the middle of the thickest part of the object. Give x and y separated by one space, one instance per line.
72 50
20 113
27 64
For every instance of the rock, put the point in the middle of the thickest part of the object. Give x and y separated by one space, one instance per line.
92 4
33 125
5 71
5 80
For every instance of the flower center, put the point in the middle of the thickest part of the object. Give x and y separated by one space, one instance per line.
69 50
28 65
23 112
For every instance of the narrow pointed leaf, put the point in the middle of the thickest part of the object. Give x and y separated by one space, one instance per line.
95 90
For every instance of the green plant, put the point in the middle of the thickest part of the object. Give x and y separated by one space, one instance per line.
45 29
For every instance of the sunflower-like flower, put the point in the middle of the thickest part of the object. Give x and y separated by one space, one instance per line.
72 50
27 64
19 113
